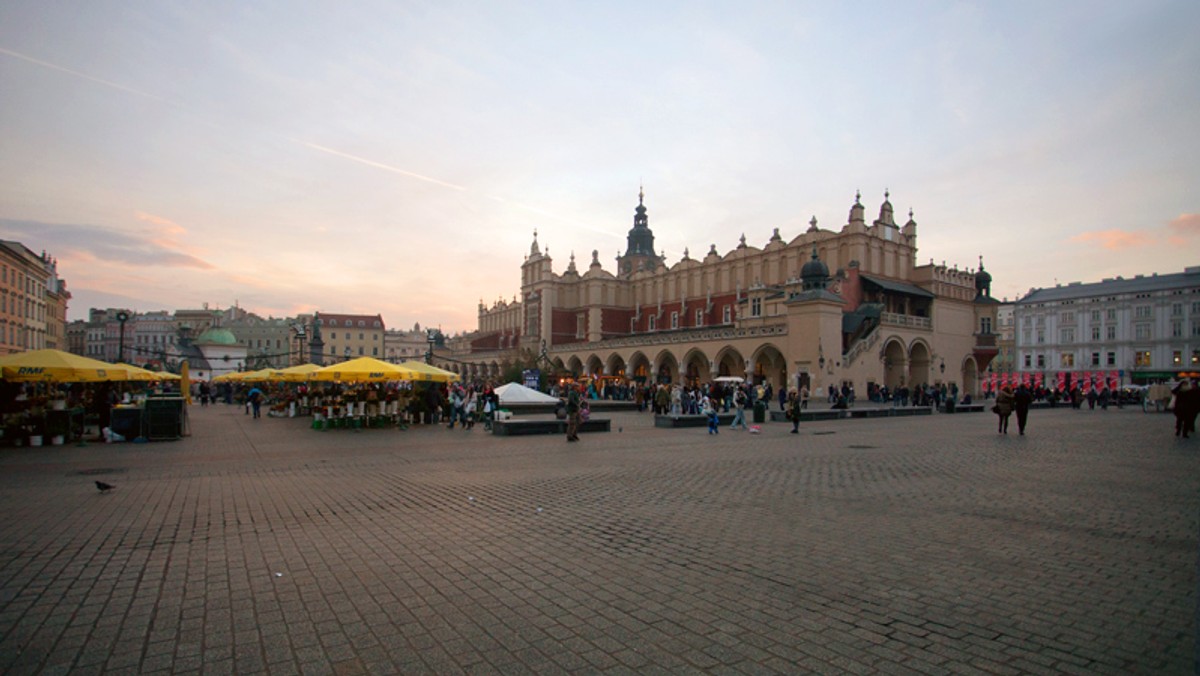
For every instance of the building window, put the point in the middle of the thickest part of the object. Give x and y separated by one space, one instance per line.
360 351
1141 331
1195 328
1195 357
674 320
1041 361
985 325
727 315
1026 335
1068 317
1068 335
1176 309
755 307
699 317
1095 315
1142 312
1095 359
1041 321
579 322
1028 361
1110 315
1111 332
1176 329
374 352
360 335
1141 358
333 335
653 322
1112 358
1041 336
1177 357
1068 360
1095 333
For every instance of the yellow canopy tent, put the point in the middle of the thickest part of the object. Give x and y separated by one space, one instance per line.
137 372
294 374
166 375
57 366
364 370
430 373
251 376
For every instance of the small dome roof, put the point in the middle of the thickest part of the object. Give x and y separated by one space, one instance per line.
217 336
815 267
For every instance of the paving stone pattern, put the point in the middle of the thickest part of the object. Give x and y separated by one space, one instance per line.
905 545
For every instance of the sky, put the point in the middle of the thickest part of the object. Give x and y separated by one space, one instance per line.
397 157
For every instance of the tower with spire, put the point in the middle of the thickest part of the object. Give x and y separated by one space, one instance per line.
639 249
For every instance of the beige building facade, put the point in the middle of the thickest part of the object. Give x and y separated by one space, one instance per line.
822 307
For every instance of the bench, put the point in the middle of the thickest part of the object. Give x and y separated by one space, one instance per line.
515 427
965 408
809 415
697 420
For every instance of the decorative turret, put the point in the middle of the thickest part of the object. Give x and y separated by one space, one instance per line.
983 282
910 230
856 210
812 225
885 211
533 249
815 274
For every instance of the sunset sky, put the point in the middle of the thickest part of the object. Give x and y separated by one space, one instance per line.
396 157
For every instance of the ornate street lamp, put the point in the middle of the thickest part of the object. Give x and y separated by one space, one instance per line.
122 317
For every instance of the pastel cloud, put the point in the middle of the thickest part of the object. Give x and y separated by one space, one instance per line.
1114 239
103 244
1183 227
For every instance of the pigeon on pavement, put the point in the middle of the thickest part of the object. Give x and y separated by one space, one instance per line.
104 488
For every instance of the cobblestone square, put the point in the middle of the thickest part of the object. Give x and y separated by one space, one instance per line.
901 545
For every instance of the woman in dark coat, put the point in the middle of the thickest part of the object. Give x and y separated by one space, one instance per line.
1021 401
1187 404
1004 407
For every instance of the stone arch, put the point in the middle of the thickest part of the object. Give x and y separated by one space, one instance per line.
767 365
595 367
970 378
920 362
696 368
615 366
730 362
666 368
574 366
895 363
639 368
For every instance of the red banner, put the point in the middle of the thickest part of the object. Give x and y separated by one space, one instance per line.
1038 379
1114 380
1062 380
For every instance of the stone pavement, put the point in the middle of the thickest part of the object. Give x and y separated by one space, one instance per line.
902 545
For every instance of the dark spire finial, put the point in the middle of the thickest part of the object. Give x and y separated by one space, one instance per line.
981 262
857 196
886 194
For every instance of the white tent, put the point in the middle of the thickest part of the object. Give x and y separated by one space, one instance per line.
516 393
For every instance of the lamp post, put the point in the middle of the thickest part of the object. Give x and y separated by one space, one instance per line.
347 353
122 317
429 338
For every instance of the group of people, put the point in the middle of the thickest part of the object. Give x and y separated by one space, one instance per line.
1008 401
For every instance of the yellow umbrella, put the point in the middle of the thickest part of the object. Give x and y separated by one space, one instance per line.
137 372
364 370
251 376
430 373
58 366
294 374
167 375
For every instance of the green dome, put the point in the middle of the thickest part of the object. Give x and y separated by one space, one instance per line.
217 336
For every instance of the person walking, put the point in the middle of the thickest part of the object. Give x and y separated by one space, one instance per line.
1021 401
793 410
573 412
1187 402
739 409
710 412
255 397
1004 407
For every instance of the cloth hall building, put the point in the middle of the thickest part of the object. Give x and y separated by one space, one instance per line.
846 306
